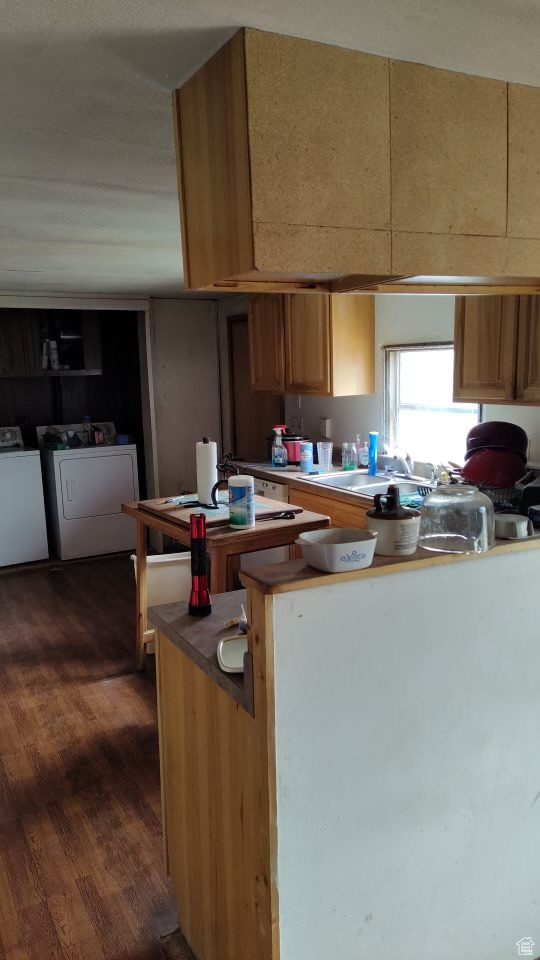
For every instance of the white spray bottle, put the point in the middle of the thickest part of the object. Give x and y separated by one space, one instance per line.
279 453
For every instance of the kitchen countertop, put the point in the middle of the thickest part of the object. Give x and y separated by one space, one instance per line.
265 471
198 639
298 575
301 481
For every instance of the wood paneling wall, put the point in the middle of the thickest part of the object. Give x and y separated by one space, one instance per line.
114 395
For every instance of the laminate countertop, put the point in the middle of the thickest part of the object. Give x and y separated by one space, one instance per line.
264 470
298 575
198 639
296 480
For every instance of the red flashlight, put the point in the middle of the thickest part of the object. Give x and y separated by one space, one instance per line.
200 604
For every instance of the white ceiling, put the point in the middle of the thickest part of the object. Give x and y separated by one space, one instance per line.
87 174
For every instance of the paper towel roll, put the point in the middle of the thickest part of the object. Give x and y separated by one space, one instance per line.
206 456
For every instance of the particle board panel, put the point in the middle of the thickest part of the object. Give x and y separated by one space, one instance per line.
213 166
319 133
307 249
523 258
448 255
523 161
449 151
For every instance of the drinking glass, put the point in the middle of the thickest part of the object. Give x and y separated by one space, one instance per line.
348 456
324 455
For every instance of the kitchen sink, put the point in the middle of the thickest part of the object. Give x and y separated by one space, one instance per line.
363 484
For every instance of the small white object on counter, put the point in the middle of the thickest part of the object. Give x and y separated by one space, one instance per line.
230 653
206 458
513 526
338 550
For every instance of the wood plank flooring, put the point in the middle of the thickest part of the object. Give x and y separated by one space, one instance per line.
81 867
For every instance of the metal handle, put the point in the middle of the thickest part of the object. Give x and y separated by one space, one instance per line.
70 487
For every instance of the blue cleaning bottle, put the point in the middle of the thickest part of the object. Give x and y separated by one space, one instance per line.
372 466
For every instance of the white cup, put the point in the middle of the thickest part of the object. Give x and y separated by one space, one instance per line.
512 526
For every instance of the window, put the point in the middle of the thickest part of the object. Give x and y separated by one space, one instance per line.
420 415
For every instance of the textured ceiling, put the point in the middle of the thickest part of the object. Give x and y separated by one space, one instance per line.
87 179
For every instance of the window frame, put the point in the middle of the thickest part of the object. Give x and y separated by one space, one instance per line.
391 382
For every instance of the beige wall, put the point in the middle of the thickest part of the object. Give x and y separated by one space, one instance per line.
185 370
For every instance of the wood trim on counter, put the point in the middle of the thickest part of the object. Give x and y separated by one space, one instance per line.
297 575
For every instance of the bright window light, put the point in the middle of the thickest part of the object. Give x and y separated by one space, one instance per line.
421 417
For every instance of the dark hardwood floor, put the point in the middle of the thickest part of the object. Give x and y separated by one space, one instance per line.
81 869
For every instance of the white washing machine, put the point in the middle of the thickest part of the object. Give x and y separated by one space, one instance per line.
85 488
23 532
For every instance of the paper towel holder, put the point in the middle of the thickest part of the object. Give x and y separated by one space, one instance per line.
228 469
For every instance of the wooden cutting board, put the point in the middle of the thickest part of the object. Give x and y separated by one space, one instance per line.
176 513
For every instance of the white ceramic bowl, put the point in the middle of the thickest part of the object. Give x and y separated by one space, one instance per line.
337 549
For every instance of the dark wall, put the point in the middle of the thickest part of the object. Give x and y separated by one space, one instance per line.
113 395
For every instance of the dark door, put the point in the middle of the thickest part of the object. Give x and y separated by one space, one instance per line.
12 343
252 414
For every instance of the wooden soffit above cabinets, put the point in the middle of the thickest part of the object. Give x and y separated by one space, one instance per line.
304 166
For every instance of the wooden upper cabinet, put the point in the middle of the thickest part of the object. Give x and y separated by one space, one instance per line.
523 163
307 339
527 389
267 343
485 343
449 148
320 344
308 166
284 163
497 349
315 112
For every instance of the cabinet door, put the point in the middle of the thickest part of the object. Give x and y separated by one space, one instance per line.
12 343
307 344
32 345
528 351
91 338
485 348
266 343
341 514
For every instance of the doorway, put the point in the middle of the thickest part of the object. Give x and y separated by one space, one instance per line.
252 414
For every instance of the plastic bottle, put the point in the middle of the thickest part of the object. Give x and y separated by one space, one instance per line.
364 455
87 428
279 453
348 456
358 449
306 456
372 467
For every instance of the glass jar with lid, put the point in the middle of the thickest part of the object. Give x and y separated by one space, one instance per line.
457 518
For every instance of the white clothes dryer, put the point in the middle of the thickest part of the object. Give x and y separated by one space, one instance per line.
84 491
